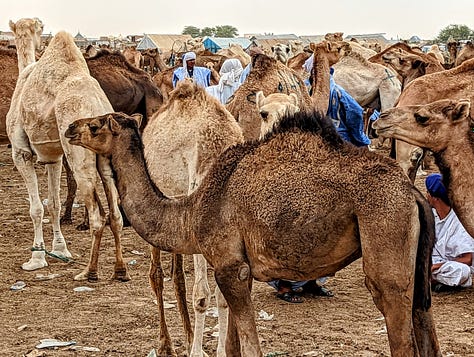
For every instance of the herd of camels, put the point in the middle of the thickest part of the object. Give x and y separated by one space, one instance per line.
260 188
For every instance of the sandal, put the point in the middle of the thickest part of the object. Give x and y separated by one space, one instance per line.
290 296
314 289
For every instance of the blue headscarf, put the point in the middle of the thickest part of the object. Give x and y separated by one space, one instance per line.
434 185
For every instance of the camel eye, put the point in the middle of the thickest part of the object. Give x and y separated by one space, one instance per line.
94 128
420 119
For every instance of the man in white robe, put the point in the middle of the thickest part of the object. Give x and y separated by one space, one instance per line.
201 75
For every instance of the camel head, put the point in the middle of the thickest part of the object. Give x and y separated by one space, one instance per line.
406 64
28 29
281 52
433 126
333 51
273 107
334 36
97 133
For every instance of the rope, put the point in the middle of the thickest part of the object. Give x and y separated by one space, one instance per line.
52 255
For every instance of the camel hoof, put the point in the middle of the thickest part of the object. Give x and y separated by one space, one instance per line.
87 275
121 275
37 261
61 250
167 351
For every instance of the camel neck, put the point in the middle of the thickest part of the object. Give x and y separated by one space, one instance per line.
25 52
160 221
321 86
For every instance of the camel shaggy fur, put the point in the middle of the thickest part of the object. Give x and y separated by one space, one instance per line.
49 95
444 127
181 142
254 216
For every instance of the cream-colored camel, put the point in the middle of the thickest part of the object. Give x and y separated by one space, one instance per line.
436 52
274 107
281 52
235 51
27 39
181 142
456 83
133 56
367 82
467 52
49 95
254 216
444 127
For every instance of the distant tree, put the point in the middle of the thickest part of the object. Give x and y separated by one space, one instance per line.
226 31
192 30
208 31
457 32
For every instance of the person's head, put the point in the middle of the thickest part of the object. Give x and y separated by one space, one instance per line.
436 189
189 60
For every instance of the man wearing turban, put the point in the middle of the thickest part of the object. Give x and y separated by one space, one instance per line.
200 75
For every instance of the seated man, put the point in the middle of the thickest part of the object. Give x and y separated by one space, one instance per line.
453 252
200 75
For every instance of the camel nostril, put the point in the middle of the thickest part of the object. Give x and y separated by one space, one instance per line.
264 114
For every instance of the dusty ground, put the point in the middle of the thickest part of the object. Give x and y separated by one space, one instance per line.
120 318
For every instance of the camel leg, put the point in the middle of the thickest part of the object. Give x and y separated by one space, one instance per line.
180 293
201 299
23 160
71 194
115 217
234 282
156 282
409 157
54 208
223 319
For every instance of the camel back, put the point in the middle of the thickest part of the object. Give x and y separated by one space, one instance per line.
269 76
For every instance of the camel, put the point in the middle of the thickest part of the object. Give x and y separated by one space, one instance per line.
181 142
455 83
297 61
49 95
235 51
254 217
27 39
274 107
281 52
133 56
436 52
153 61
444 127
409 63
452 47
465 53
296 46
367 82
129 90
270 76
8 77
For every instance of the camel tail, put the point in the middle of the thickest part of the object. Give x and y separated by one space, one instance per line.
422 293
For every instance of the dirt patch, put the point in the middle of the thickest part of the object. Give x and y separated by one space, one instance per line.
121 319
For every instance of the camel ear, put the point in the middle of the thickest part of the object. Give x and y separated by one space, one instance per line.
138 119
260 97
113 124
462 109
294 99
312 46
12 25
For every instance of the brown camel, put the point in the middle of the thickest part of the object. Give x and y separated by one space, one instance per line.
181 142
133 56
235 51
467 52
269 76
153 61
254 216
444 127
8 78
455 83
409 63
48 97
452 47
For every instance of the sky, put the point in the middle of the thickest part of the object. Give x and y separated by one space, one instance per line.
398 19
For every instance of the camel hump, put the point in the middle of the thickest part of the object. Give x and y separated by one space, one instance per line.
63 46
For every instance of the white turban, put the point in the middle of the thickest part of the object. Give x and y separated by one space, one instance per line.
187 56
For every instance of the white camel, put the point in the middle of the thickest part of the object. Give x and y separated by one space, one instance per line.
49 95
27 34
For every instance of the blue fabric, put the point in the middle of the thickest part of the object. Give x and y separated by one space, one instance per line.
201 75
434 185
348 113
375 115
245 73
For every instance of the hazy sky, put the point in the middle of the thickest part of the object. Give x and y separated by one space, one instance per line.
397 19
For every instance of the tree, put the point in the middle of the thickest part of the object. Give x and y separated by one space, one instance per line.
192 30
208 31
226 31
456 32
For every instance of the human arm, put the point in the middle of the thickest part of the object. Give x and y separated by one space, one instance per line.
465 258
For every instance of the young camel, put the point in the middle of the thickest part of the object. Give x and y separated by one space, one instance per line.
274 107
27 34
444 127
181 142
254 216
49 95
